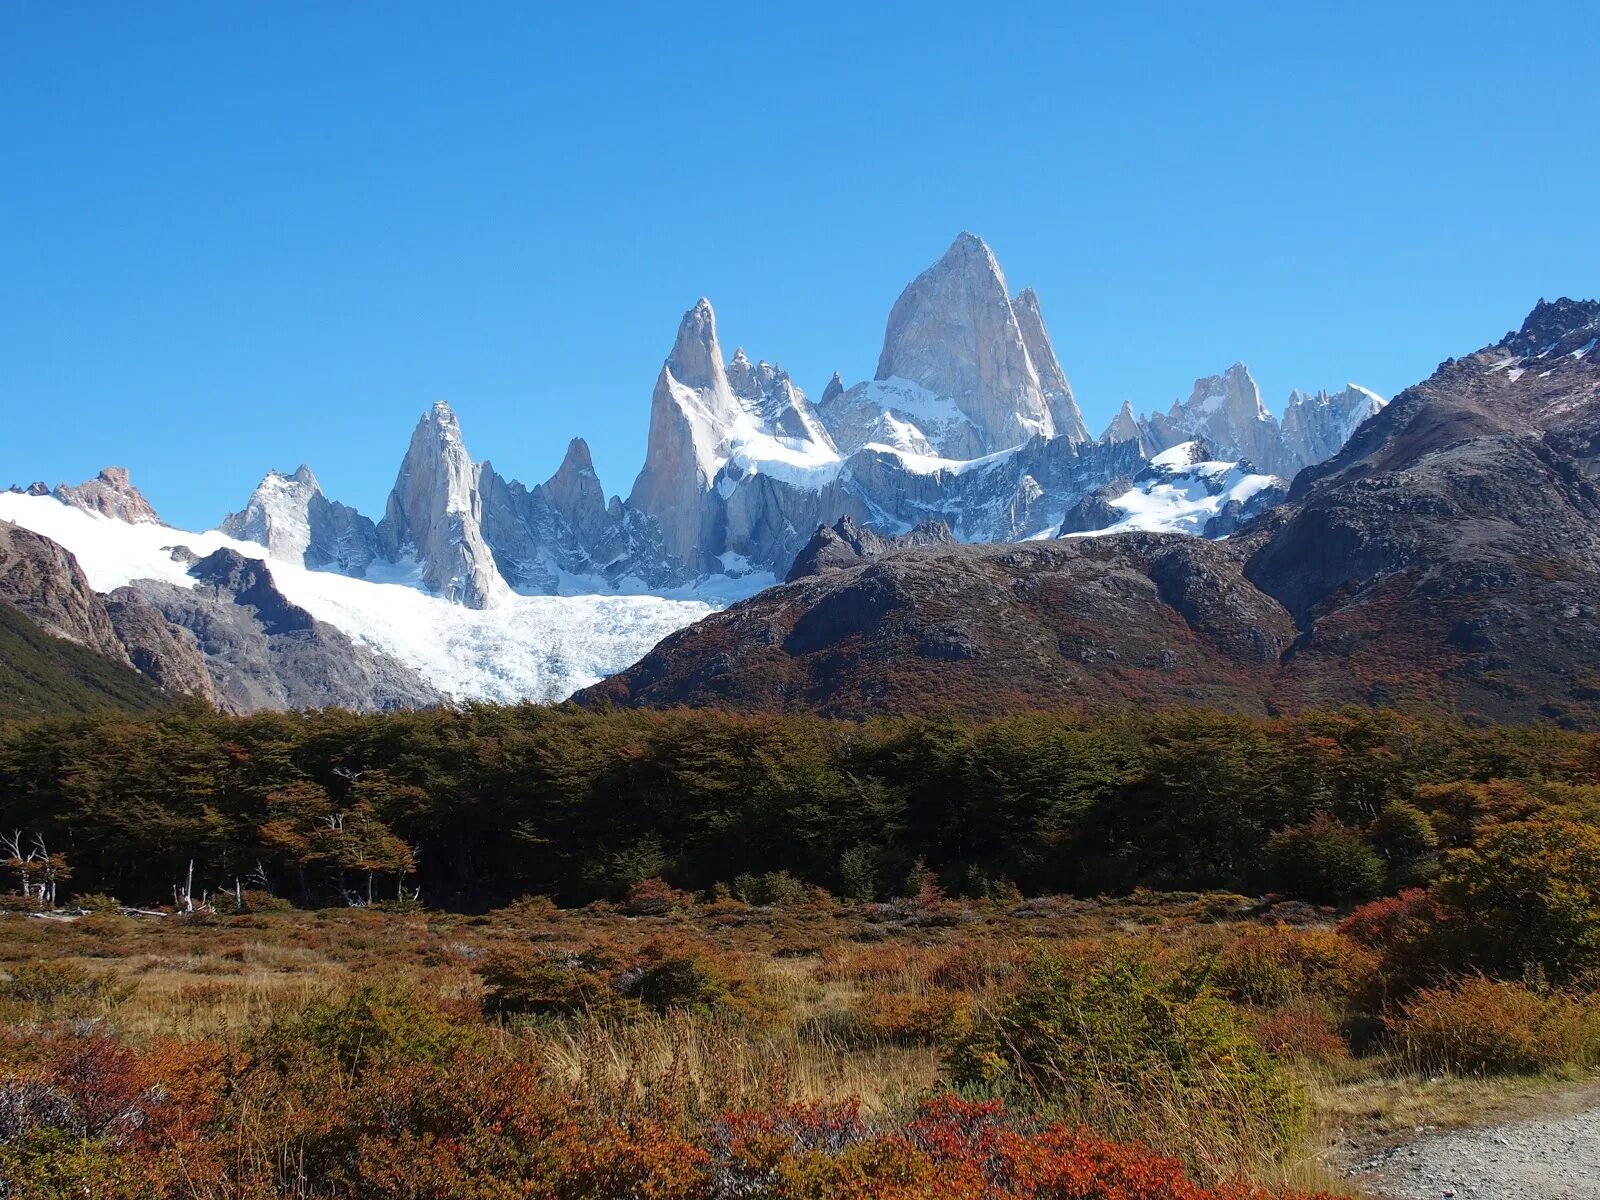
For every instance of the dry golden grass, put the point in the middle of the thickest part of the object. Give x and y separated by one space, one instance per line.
701 1065
840 1004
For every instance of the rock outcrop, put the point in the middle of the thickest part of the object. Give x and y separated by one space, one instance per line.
43 581
263 652
166 653
111 494
845 544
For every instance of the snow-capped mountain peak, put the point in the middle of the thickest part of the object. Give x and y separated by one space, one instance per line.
954 333
434 515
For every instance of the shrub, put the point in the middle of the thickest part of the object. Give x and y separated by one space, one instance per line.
1303 1032
870 964
251 900
654 897
1278 964
679 981
64 989
973 965
950 1148
1323 861
1488 1026
1527 895
1404 837
377 1025
775 887
930 1018
527 981
1408 933
97 903
857 874
1132 1055
529 910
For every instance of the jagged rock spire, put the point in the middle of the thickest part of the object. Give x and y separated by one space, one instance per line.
434 514
1227 411
954 332
833 391
111 494
1126 427
696 358
701 413
1063 406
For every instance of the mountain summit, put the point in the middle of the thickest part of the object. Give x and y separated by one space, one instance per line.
954 333
434 515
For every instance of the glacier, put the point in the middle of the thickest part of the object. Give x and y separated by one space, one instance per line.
528 648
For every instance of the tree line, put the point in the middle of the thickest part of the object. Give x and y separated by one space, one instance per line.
474 806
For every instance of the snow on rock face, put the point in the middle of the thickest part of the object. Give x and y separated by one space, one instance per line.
1181 490
275 515
434 516
526 648
902 415
705 414
954 332
289 515
1227 412
1316 427
1058 395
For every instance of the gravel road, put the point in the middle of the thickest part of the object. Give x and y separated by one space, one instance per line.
1548 1158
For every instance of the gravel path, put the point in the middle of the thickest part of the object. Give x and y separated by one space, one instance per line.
1548 1158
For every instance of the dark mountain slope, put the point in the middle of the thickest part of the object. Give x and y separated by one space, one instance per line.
43 675
1451 553
979 628
1447 559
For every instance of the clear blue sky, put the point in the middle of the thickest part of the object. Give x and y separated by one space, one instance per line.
237 236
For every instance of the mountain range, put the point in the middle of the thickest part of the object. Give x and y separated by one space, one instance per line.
969 420
1447 558
965 453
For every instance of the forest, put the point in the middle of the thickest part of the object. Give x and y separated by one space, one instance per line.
470 808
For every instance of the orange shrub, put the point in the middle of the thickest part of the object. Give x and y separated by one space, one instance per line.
1280 963
655 898
925 1019
867 964
1489 1026
973 965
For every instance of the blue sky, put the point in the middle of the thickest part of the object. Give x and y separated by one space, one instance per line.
239 236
